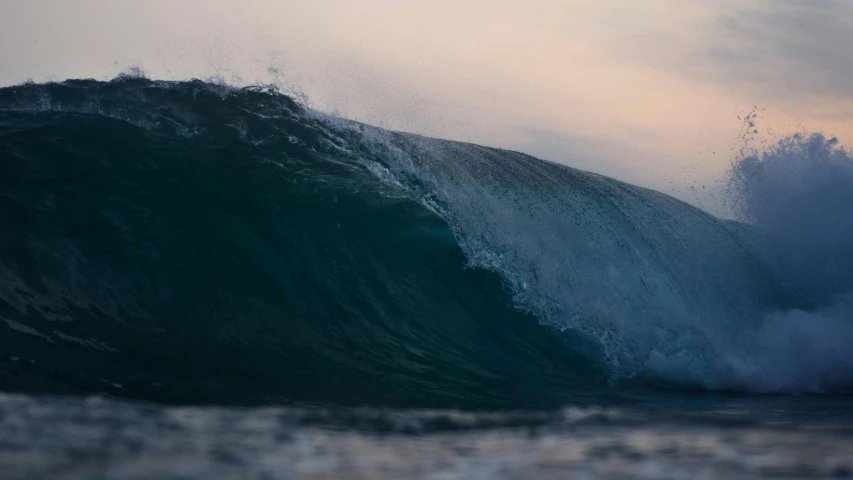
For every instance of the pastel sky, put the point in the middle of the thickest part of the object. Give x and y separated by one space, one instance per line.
646 91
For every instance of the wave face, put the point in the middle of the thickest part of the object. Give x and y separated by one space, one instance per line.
185 242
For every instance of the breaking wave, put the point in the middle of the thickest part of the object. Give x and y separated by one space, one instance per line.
185 242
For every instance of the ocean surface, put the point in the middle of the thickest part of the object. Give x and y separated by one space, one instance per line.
202 281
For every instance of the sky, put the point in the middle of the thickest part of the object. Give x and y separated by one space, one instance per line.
652 92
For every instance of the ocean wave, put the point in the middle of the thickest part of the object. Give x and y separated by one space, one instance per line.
185 242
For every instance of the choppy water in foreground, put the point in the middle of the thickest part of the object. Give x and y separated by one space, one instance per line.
84 439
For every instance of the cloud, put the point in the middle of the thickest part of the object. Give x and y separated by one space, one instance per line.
797 47
790 51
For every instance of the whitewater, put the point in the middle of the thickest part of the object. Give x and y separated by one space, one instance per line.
228 284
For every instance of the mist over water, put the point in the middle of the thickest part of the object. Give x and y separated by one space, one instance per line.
799 194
